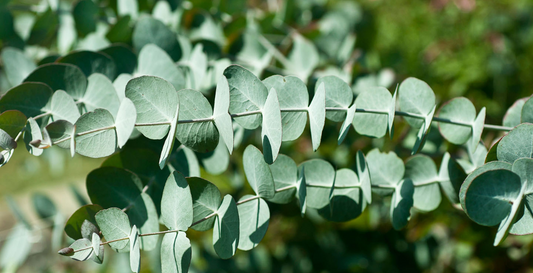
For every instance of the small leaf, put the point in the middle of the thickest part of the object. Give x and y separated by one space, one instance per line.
457 110
319 176
301 191
401 203
175 252
226 230
154 61
199 133
220 113
176 203
384 178
114 224
513 115
350 114
135 250
88 228
257 172
100 94
363 174
392 112
451 176
75 223
6 141
371 124
346 200
247 94
416 97
317 115
338 95
516 144
96 127
17 65
423 173
83 249
422 132
253 218
169 141
32 132
125 121
95 242
206 201
63 107
477 128
292 94
271 133
284 172
12 122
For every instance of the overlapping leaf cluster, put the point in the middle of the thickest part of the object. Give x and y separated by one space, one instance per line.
93 102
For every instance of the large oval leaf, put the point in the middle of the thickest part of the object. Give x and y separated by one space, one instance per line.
114 224
423 173
416 97
338 95
61 77
284 172
175 252
30 98
156 101
386 170
319 176
516 144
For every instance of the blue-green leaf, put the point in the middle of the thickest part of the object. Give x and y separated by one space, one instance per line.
516 144
176 203
62 106
416 97
257 172
423 173
125 121
100 94
226 230
114 224
156 101
363 174
206 201
254 217
81 255
284 172
338 95
346 200
401 203
96 127
319 177
175 252
198 132
317 115
32 134
373 124
247 94
221 114
457 110
29 98
17 65
292 94
154 61
350 114
271 133
386 170
135 250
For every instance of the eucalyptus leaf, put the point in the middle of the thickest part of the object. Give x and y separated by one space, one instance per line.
175 252
135 250
346 201
61 130
363 174
384 178
74 224
16 64
125 121
319 178
83 249
60 76
423 173
100 94
513 115
12 122
149 30
114 224
156 101
401 203
373 124
29 98
247 93
516 144
338 95
32 133
216 161
62 106
220 113
284 172
257 172
226 230
96 127
154 61
292 94
317 115
303 58
416 97
254 217
457 110
199 132
271 132
91 62
350 114
177 203
206 201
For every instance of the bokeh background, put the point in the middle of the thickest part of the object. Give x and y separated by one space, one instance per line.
482 50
